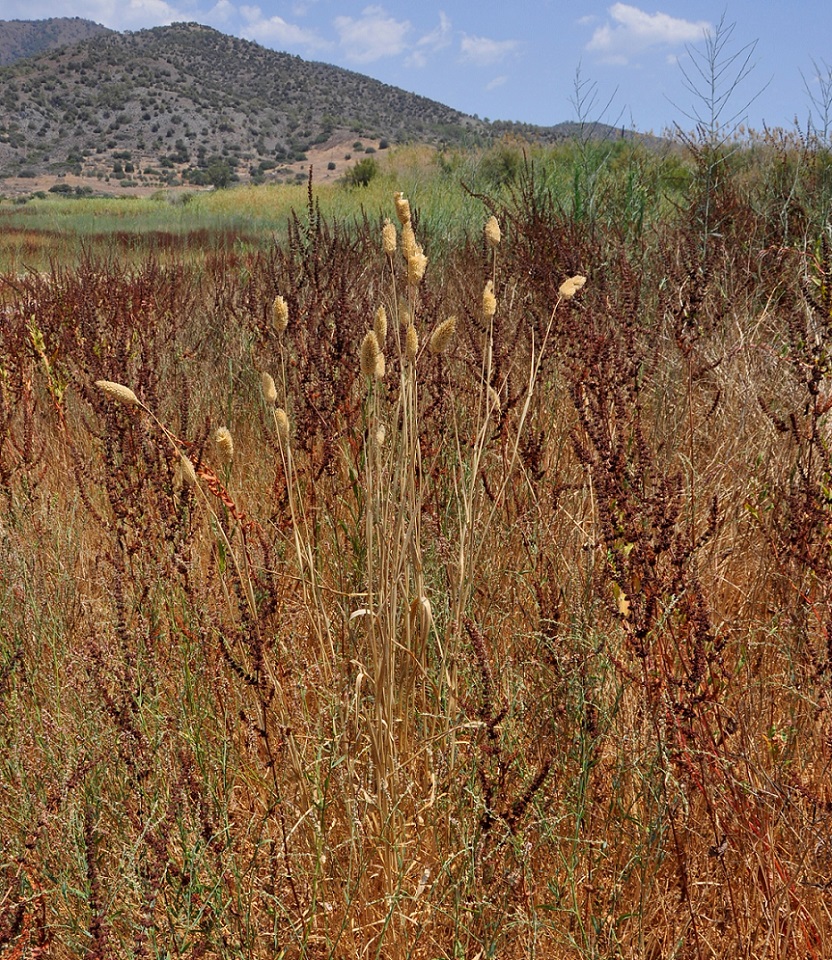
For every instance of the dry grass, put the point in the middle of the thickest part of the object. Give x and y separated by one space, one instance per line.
515 643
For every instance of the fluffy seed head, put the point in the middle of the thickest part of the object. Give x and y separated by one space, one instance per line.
402 208
281 421
380 325
489 301
442 335
186 469
370 351
381 367
416 266
224 444
269 389
388 237
411 343
381 434
492 232
409 244
280 314
570 287
117 391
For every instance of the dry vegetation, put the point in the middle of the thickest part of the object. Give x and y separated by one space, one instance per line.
334 629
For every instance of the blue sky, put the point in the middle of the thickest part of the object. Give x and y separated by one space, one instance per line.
518 59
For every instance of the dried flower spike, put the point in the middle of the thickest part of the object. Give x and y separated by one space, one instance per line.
402 208
489 301
442 335
117 391
492 232
388 238
225 444
369 353
269 389
416 267
186 469
281 421
411 343
280 314
570 287
381 367
409 244
380 325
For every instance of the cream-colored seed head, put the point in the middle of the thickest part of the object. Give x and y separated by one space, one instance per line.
269 388
381 367
280 314
442 335
489 301
492 232
570 287
281 421
409 244
381 434
380 325
225 444
402 208
404 312
117 391
186 469
388 238
416 266
370 350
411 343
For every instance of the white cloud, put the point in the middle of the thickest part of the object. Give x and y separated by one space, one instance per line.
438 39
483 52
633 31
276 31
496 82
371 36
221 13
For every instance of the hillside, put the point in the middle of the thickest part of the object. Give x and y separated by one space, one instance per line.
170 102
27 38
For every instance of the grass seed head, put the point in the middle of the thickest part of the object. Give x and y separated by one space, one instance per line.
280 314
489 301
416 266
225 444
186 470
381 367
402 208
281 421
442 336
370 351
492 232
411 343
269 388
380 325
388 237
117 391
570 287
409 244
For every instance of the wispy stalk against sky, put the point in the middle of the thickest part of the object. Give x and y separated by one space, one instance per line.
518 60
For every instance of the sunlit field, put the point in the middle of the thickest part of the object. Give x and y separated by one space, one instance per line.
440 568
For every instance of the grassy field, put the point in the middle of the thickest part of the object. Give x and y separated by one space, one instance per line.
455 587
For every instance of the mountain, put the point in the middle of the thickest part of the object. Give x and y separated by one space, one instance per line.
26 38
175 100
